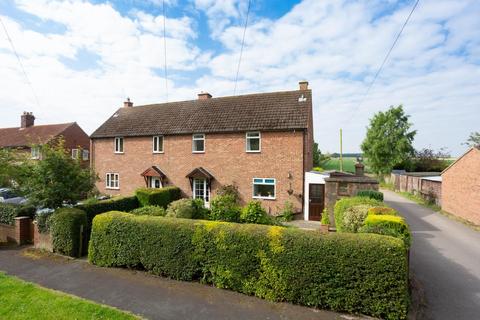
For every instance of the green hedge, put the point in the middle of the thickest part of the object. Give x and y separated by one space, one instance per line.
372 194
157 197
8 212
65 227
149 211
357 273
389 225
343 204
383 211
117 203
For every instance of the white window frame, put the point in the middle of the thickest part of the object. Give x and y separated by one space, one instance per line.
35 152
115 145
75 154
154 145
85 155
247 138
206 191
109 183
264 183
151 182
198 139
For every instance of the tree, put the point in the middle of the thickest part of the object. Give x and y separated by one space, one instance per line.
318 158
389 140
56 179
10 167
473 139
430 160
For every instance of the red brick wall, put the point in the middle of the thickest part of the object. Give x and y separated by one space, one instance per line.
225 158
432 191
461 187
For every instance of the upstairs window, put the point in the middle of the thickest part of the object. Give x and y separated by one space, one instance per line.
158 144
75 153
118 145
35 152
253 141
264 188
85 155
198 143
112 181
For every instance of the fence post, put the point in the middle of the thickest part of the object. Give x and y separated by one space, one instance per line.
80 247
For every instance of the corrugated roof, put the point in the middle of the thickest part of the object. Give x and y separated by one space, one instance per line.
264 111
37 134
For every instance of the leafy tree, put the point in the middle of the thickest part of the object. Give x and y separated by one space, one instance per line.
430 160
56 179
389 140
10 167
318 158
473 139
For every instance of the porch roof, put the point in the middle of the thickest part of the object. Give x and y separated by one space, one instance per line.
153 171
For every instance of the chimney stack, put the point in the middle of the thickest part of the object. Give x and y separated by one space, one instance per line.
204 96
128 103
359 169
303 85
27 120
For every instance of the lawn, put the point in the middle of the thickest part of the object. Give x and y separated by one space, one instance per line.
25 300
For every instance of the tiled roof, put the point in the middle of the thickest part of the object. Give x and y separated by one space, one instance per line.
265 111
37 134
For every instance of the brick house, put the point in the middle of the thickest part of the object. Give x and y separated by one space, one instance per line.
461 186
262 143
28 134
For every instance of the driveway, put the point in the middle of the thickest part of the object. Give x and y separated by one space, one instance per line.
146 295
445 260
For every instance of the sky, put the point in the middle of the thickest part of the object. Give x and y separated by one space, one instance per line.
83 58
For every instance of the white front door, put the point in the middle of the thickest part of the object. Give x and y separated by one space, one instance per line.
154 182
201 191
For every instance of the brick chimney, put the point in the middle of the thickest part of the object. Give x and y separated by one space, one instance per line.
27 119
204 96
128 103
303 85
359 169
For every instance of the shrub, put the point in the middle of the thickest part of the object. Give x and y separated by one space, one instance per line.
343 204
149 211
8 212
253 212
229 189
356 273
200 211
225 208
117 203
43 221
388 225
287 213
382 211
183 208
354 217
65 228
325 217
157 197
372 194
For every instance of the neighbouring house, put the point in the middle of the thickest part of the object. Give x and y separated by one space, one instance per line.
29 136
461 186
262 143
323 189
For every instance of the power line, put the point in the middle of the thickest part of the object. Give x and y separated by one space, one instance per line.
20 63
165 49
241 48
386 57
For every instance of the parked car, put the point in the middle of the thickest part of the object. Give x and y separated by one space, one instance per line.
8 196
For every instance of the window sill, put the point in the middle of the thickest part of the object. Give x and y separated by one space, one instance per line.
264 198
158 152
253 151
119 152
111 188
198 151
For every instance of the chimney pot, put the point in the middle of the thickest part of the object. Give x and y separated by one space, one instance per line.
27 119
359 169
128 103
303 85
204 96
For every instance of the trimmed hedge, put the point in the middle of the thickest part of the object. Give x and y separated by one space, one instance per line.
389 225
357 273
8 212
372 194
117 203
343 204
149 211
157 197
65 226
383 211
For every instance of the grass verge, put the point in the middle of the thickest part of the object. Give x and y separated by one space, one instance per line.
24 300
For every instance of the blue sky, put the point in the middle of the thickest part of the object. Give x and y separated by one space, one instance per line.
84 57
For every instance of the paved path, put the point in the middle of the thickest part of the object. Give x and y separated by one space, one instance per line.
445 259
146 295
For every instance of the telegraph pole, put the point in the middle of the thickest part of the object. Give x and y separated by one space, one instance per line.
341 151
